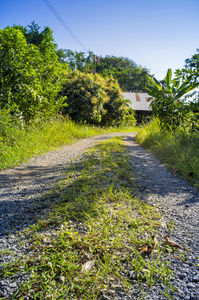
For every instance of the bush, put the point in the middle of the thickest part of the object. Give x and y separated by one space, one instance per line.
95 100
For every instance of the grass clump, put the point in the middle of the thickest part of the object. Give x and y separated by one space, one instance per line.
89 241
177 150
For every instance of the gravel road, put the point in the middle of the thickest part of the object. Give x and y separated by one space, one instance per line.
20 197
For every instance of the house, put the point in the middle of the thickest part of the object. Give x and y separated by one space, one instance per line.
140 103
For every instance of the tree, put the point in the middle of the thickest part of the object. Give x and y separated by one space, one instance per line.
61 55
32 34
166 102
131 77
190 72
43 40
29 79
77 60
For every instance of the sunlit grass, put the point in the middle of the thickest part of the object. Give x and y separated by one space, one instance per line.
177 150
21 144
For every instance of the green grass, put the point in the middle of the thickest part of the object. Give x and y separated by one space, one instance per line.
177 150
17 145
94 220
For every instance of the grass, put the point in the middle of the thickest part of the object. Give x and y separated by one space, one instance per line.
18 144
177 150
89 239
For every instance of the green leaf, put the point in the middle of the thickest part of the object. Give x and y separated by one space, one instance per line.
168 80
155 82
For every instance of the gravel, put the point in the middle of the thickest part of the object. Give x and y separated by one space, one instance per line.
21 201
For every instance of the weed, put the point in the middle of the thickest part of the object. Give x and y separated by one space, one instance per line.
171 225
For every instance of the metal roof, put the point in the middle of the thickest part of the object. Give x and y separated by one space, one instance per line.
138 101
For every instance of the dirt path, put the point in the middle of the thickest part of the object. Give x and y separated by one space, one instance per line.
22 187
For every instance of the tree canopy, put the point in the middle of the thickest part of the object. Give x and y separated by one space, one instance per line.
131 77
30 75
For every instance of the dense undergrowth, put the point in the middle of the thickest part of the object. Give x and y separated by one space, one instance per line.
95 232
19 143
177 150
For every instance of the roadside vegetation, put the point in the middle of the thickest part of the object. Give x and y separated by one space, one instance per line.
40 95
173 136
19 143
177 150
96 236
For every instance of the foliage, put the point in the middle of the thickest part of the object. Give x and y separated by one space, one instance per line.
117 109
166 102
177 151
131 77
93 99
19 143
37 38
193 114
85 98
77 60
190 73
30 77
9 130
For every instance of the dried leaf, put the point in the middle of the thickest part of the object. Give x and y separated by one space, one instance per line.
146 249
172 243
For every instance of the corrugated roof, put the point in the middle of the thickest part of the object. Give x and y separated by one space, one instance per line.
138 101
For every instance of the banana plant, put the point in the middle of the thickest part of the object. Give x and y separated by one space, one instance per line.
167 103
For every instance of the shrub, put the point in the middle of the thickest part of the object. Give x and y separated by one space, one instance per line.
95 100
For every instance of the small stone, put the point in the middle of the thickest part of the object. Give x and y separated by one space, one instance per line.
1 294
195 278
118 288
180 293
190 285
133 275
104 297
182 275
194 297
13 285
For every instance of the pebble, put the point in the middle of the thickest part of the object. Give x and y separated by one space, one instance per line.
196 278
191 285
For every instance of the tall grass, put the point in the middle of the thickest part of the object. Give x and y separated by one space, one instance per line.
18 143
178 150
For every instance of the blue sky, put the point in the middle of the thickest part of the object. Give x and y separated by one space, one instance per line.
156 34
